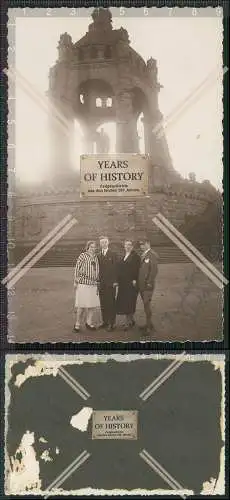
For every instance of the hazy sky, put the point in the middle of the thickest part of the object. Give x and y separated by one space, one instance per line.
187 51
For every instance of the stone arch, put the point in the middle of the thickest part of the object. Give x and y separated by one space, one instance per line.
93 89
93 105
139 101
140 112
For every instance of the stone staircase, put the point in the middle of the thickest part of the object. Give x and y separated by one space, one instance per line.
204 231
66 257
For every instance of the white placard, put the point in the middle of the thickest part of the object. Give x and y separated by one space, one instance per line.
114 175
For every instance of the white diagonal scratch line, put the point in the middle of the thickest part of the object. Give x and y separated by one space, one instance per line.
41 252
193 249
81 391
162 472
37 248
189 100
148 391
68 471
188 252
40 98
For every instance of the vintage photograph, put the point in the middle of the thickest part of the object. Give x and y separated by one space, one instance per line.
115 168
115 424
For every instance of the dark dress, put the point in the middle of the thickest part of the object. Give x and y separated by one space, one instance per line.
127 293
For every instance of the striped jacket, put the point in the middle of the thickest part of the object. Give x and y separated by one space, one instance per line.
86 270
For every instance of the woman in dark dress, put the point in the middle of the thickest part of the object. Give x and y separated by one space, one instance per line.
128 268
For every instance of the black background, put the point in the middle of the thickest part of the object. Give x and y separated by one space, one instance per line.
179 425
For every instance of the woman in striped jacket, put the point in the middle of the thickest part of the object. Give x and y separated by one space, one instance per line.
86 280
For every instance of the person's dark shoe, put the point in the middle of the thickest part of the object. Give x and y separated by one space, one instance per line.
110 328
151 328
76 329
146 333
129 326
132 324
103 325
149 331
146 337
90 327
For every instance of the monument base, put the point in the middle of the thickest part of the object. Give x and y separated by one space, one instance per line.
39 213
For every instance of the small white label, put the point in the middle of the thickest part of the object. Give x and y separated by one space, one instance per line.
114 424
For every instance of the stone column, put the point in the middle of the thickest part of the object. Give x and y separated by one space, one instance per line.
149 147
127 137
157 148
89 139
61 129
147 135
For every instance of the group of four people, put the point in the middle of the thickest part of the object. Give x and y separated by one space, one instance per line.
102 280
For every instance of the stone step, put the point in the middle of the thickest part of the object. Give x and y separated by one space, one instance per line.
66 257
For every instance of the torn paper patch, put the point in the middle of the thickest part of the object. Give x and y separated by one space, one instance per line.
81 419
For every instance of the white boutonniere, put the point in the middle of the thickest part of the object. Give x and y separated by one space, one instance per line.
146 261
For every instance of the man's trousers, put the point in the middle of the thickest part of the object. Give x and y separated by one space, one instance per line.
107 296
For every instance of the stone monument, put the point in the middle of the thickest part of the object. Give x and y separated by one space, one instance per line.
98 79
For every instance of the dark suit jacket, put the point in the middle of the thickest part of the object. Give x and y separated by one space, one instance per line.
127 293
148 271
107 268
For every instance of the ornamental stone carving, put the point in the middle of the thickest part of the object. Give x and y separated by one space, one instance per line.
65 47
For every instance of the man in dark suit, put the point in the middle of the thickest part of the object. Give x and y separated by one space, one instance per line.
146 280
107 284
